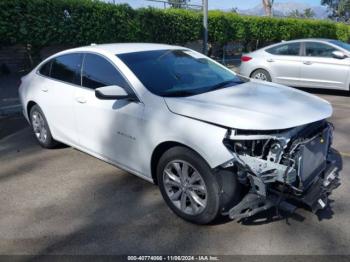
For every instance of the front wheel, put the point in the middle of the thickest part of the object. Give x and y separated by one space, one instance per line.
188 185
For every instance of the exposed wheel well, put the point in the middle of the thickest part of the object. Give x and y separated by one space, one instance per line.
158 152
29 107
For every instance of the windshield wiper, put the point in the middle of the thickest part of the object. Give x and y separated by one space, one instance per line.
225 84
179 93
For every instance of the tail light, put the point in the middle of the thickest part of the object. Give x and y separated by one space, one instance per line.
246 58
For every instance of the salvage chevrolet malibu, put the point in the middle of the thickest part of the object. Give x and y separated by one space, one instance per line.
214 142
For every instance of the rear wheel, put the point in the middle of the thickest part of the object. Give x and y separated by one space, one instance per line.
41 128
262 75
189 186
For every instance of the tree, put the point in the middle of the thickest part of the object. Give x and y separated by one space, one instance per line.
178 3
268 6
307 13
295 14
339 9
234 10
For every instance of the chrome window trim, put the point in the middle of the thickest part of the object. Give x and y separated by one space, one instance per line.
81 70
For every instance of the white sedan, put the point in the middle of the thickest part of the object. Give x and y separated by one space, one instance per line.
311 63
178 119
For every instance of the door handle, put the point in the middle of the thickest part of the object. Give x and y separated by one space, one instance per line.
44 89
307 63
81 100
270 60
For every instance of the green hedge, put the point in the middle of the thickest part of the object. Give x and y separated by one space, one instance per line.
79 22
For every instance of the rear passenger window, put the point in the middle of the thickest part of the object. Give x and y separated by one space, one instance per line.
318 49
98 72
45 69
67 68
291 49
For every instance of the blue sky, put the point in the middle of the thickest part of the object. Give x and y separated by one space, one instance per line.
217 4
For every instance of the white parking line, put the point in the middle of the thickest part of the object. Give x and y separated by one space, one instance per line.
11 107
344 154
341 105
13 99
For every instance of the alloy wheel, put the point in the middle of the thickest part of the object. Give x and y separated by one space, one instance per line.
39 126
260 76
185 187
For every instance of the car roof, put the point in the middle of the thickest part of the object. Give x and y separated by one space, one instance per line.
122 48
319 39
310 39
297 41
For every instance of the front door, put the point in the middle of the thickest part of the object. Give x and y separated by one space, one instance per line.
320 69
108 128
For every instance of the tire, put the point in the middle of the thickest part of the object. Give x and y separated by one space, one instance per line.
199 186
41 128
262 75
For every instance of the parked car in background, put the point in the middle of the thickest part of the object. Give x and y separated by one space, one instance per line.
315 63
185 122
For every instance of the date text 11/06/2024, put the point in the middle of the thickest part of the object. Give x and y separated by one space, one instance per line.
173 258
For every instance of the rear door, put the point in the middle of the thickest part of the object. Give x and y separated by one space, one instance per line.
284 63
320 69
60 77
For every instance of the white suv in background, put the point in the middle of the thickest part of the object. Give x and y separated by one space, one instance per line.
315 63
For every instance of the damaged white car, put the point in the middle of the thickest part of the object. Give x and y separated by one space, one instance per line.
214 142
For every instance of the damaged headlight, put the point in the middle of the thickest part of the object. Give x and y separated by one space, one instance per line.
265 147
261 157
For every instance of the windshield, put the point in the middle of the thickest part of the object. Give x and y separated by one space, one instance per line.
178 72
341 44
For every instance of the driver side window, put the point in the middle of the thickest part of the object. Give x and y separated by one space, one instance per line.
98 72
314 49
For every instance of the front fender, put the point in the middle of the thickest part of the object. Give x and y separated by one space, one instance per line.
204 138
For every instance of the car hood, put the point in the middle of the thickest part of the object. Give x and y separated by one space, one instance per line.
254 105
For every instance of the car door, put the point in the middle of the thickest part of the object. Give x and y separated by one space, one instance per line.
320 69
60 77
107 128
283 63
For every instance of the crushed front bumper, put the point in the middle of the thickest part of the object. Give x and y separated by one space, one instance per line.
299 167
315 197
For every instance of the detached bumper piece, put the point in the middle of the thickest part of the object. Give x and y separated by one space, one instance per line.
316 197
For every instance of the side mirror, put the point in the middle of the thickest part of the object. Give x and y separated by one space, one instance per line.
339 55
112 93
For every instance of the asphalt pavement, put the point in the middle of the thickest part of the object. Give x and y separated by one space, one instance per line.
63 201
